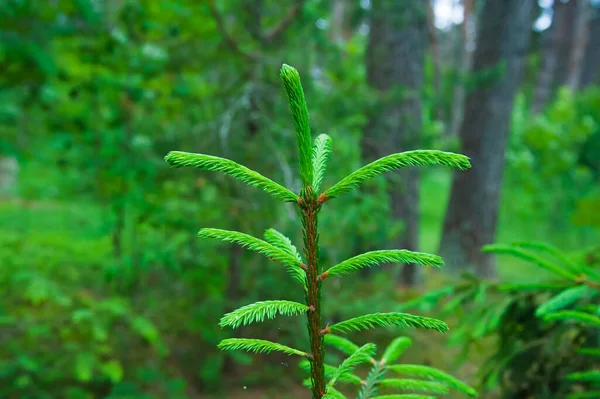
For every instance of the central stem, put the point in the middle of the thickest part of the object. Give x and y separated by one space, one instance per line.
310 209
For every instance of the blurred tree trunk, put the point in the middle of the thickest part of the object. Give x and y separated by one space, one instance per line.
564 17
472 213
9 171
340 31
581 32
590 73
435 54
395 61
463 59
550 40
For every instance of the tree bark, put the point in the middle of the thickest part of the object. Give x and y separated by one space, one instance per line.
564 17
435 51
395 60
340 32
549 55
463 56
580 38
590 73
472 214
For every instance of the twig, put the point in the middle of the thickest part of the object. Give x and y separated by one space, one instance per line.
226 36
276 31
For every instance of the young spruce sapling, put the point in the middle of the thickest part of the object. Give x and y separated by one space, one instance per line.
309 272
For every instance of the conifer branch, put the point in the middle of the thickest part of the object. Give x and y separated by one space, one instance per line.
330 371
549 249
342 344
574 315
564 299
280 241
412 370
258 346
362 355
178 159
297 103
404 396
387 320
530 257
590 375
320 154
589 351
376 258
394 162
255 244
395 349
371 385
406 384
259 311
333 393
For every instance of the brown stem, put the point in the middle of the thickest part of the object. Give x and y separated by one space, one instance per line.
310 208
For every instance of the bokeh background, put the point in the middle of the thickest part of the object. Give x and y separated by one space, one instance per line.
105 290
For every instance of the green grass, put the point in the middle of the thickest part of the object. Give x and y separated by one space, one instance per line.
518 221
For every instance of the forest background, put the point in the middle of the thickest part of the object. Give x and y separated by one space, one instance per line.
108 293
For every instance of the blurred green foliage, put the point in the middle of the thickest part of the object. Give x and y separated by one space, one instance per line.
537 339
106 292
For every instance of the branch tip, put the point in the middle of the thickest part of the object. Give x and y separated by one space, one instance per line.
323 198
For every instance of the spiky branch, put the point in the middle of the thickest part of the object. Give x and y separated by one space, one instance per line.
313 159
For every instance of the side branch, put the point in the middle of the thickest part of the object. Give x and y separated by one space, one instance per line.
231 43
275 32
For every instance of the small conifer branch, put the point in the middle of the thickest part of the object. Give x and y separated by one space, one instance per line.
280 241
583 279
403 396
178 159
258 346
376 258
322 198
320 154
589 351
362 355
387 320
259 311
325 331
394 162
333 393
297 103
371 385
530 257
405 384
255 244
340 343
395 349
413 370
549 249
330 371
564 299
574 315
590 375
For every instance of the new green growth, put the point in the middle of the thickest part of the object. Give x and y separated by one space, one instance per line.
310 274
